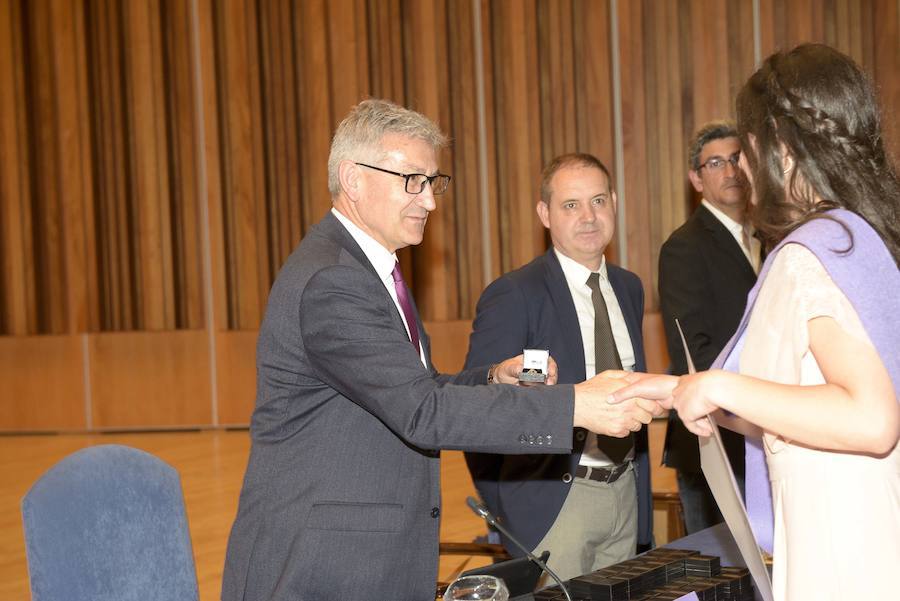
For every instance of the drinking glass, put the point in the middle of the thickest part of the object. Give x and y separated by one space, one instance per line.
477 588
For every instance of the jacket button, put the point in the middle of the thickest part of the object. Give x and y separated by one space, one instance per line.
523 439
580 435
435 512
567 477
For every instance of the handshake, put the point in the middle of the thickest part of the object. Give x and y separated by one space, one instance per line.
613 403
599 410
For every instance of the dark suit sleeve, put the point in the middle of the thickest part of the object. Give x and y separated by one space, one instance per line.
683 285
498 332
353 344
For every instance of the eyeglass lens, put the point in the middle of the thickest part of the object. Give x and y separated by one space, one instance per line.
415 183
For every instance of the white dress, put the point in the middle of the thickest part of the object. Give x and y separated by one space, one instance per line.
837 515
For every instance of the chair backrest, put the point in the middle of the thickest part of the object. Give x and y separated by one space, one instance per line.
108 523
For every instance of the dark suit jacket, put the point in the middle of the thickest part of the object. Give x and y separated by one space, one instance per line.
341 497
704 279
533 308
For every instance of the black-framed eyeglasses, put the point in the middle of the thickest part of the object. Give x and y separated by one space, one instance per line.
415 182
718 163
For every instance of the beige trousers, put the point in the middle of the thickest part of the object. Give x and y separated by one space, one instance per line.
596 527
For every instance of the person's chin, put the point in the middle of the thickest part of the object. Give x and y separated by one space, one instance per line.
414 238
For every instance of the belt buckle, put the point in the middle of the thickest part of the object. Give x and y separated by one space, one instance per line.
615 472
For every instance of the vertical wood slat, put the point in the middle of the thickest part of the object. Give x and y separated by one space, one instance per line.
210 117
148 173
74 183
465 197
315 115
139 140
491 145
17 294
183 139
886 67
348 52
635 128
243 191
47 228
435 261
557 79
517 121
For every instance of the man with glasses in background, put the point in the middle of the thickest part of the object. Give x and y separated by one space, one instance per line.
341 498
706 268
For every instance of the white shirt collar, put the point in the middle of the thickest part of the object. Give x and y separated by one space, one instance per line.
575 272
730 224
381 258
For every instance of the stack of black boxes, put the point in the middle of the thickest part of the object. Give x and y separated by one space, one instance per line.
659 575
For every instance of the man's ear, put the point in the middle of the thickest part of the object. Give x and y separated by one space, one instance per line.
543 212
348 176
615 200
696 181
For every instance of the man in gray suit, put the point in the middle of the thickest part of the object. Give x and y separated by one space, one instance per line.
341 498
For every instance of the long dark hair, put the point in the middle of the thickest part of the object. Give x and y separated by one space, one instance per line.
820 105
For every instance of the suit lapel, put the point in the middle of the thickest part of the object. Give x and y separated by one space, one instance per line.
332 228
724 240
558 289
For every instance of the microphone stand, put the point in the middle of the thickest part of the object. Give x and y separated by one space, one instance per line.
482 512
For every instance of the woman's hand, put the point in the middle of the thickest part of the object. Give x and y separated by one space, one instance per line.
691 395
693 399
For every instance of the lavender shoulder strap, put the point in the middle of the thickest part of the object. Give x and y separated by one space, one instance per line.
869 277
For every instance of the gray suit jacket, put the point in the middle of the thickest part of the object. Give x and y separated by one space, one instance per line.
341 499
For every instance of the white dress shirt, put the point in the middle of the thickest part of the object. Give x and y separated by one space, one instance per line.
383 261
743 234
576 276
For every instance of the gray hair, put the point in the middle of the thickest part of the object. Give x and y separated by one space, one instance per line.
714 130
358 137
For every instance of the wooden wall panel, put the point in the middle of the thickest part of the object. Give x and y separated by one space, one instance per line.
139 140
235 377
46 204
18 309
237 110
42 379
97 92
317 121
681 64
150 380
236 366
868 31
593 92
886 68
464 198
513 68
435 262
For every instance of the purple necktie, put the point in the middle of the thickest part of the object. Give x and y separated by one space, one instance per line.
406 306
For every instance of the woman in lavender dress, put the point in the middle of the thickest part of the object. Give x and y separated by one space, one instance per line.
815 366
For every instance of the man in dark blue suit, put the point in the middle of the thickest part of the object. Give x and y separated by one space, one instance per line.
593 506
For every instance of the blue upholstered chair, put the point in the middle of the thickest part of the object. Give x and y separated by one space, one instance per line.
108 523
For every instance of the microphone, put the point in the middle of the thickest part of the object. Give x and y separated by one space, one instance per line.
481 511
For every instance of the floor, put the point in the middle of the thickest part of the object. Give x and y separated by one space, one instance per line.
211 464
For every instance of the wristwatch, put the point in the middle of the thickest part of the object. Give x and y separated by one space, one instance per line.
491 372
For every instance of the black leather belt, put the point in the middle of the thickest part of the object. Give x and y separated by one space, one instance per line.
602 474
